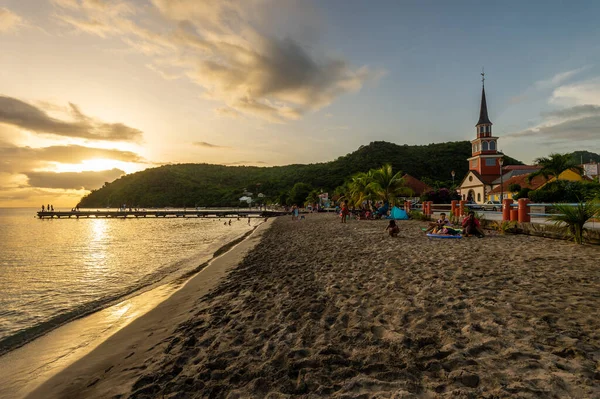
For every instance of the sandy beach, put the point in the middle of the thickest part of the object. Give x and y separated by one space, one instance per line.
316 308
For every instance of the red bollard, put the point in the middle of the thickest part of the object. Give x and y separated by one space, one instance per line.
453 205
524 210
506 205
514 215
430 207
462 205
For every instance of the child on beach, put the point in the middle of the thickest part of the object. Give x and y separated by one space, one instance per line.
438 225
345 211
393 229
472 226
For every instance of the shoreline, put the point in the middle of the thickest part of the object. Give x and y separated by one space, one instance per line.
25 336
324 309
29 364
150 326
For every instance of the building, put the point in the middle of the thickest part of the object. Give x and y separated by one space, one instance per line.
537 182
484 163
417 186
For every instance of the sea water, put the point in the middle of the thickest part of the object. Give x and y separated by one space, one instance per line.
54 270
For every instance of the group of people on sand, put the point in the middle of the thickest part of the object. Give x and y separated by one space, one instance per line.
229 223
470 227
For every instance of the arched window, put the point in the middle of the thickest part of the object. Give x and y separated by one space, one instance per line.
492 145
484 146
478 197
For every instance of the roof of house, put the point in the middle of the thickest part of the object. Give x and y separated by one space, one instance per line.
415 184
521 180
487 179
512 173
521 167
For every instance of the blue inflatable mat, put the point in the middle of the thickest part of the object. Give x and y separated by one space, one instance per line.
442 236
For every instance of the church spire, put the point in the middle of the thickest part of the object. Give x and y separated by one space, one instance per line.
483 114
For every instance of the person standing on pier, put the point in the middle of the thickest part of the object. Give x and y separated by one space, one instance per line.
52 208
42 207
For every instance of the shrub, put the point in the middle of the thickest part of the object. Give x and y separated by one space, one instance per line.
514 188
416 215
440 196
523 193
575 217
504 226
563 191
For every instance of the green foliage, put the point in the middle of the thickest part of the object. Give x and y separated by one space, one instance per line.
523 193
514 188
504 226
312 198
299 194
387 185
216 185
416 215
585 156
563 191
554 165
575 217
440 196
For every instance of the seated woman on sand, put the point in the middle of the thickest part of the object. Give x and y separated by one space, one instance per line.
472 226
393 229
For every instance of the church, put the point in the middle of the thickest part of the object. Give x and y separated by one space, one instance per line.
485 162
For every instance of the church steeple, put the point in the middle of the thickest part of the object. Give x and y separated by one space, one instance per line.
483 115
484 158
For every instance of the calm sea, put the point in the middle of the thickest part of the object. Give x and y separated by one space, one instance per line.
54 270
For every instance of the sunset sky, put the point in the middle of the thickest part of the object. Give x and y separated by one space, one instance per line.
93 89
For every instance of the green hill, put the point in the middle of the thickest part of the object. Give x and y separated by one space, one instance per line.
215 185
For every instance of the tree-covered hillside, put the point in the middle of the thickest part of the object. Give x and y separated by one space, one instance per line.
215 185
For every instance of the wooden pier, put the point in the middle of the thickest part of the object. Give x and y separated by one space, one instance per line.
160 213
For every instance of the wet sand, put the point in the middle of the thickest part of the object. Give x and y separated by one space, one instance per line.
322 309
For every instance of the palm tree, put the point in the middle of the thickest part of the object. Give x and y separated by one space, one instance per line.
554 165
387 185
575 217
359 190
312 198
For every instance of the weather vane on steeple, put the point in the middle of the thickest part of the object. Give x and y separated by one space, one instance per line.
482 77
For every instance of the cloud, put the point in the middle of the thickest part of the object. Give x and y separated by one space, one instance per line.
229 49
26 116
15 159
73 180
576 124
559 78
9 21
586 92
227 112
207 145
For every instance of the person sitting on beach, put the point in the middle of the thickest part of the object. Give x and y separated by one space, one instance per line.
472 226
393 229
439 224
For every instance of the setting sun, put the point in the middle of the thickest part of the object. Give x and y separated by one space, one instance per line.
97 165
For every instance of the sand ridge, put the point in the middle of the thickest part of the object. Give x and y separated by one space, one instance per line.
322 309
